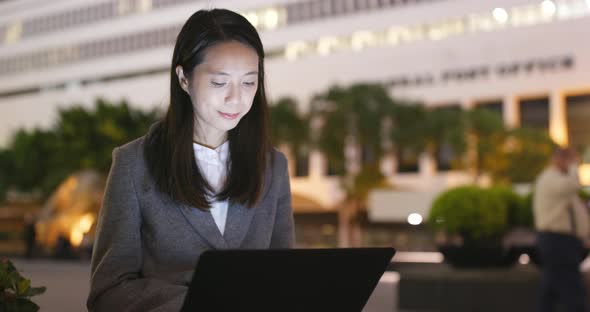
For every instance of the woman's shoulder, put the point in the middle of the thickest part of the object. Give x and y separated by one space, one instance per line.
135 149
130 150
278 160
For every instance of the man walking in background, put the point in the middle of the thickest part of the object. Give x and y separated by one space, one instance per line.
563 224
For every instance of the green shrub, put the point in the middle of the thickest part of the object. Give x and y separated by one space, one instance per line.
470 211
16 290
519 213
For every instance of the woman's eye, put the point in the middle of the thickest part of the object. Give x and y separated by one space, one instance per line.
250 83
218 84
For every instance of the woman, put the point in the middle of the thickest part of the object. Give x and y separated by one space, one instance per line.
204 178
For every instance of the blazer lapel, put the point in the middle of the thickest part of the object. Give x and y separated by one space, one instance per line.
238 221
203 223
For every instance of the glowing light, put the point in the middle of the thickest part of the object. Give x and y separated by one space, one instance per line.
524 259
362 39
123 7
252 18
79 229
271 19
414 219
144 6
548 8
584 174
294 49
326 45
14 32
500 15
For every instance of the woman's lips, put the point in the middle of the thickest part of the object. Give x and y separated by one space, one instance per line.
229 116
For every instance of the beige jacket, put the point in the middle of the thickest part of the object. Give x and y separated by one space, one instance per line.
556 202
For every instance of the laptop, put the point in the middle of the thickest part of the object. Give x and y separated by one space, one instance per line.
286 279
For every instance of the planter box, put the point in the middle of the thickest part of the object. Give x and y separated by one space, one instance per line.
443 288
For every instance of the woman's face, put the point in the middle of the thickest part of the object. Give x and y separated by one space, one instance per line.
221 89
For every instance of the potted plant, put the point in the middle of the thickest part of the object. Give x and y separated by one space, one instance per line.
471 222
15 290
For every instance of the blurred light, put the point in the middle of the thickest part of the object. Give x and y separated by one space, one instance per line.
123 7
524 259
588 3
144 6
500 15
548 7
271 19
252 18
414 219
362 39
418 257
294 49
14 32
326 45
390 278
393 36
79 229
584 174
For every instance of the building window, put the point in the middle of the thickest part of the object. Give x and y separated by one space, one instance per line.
445 155
495 106
407 160
302 163
534 113
578 115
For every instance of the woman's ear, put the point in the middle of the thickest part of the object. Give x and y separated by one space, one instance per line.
182 80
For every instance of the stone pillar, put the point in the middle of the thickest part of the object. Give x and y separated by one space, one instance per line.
427 165
557 117
317 165
511 112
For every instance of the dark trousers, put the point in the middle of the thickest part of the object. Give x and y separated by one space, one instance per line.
561 280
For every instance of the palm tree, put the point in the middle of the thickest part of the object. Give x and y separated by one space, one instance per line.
427 130
289 128
485 134
353 119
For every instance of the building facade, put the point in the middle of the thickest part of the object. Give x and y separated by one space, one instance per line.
529 60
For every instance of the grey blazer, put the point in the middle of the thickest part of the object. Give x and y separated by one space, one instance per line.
147 246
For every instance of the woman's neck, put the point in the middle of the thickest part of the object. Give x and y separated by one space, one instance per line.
211 140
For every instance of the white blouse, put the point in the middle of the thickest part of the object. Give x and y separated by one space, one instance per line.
212 165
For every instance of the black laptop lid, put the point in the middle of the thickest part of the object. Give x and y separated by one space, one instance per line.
286 280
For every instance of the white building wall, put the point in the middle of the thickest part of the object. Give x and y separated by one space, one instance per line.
313 73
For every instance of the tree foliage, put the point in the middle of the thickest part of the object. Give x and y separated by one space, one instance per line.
80 139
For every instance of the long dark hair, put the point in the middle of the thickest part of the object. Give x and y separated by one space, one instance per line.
168 149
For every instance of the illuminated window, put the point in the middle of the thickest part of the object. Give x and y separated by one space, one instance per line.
271 18
123 7
363 39
144 6
327 44
534 113
295 49
578 114
13 33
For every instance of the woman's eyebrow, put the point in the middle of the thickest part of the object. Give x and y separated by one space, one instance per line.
227 74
